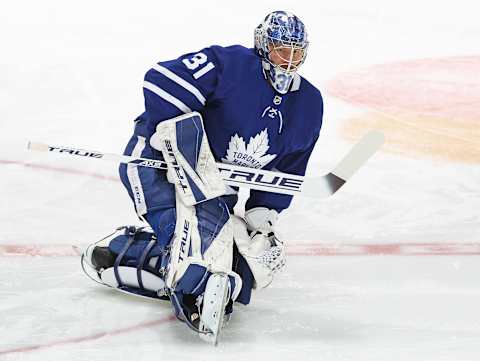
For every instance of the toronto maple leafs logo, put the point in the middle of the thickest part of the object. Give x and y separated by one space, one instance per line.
251 155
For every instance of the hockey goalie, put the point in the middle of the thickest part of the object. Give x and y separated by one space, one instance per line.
235 105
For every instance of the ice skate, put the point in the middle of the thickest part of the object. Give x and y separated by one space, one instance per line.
215 299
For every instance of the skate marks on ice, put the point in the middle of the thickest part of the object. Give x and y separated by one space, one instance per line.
425 107
91 337
337 307
48 306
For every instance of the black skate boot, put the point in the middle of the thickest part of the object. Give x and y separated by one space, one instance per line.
102 258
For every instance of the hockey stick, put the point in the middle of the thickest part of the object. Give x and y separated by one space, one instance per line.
257 179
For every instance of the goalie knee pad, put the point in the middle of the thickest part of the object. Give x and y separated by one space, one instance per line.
191 165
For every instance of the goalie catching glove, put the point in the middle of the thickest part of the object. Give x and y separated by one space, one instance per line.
259 245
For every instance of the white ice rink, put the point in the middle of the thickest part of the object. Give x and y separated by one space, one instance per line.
388 269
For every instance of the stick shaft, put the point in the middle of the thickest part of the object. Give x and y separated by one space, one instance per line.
233 175
257 179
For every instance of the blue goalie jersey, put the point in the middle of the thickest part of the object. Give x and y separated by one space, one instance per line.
246 121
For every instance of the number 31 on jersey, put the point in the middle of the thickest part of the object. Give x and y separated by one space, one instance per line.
196 61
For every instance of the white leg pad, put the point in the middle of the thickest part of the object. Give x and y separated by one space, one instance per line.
191 165
186 249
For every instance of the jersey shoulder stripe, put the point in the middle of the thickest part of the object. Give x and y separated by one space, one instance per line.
180 81
166 96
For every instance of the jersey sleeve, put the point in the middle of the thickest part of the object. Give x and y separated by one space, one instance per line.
180 86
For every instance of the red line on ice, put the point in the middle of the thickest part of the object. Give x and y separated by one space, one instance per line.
60 169
387 249
293 249
92 337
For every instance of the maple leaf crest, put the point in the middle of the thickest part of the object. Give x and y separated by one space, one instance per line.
251 155
236 145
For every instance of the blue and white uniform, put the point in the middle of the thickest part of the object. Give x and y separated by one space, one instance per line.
255 111
247 123
247 107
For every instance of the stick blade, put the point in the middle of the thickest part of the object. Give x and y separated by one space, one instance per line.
327 185
359 155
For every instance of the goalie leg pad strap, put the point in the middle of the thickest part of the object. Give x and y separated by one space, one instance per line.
136 265
191 165
130 278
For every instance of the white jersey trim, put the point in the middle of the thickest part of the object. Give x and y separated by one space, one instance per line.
183 83
166 96
204 70
134 178
296 82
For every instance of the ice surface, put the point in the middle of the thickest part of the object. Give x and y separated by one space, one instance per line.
71 74
334 308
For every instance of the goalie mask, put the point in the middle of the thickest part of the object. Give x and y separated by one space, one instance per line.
281 41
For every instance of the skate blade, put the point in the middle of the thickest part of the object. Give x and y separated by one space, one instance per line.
87 267
213 312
